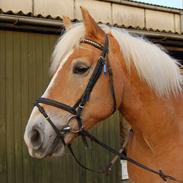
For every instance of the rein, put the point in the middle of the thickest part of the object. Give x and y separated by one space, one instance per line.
76 113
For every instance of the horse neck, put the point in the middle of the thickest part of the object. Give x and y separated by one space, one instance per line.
151 117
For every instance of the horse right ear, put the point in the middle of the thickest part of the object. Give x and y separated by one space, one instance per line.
67 22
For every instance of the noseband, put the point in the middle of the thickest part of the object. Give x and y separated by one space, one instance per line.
77 109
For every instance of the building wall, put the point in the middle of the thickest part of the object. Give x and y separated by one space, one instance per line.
119 12
24 63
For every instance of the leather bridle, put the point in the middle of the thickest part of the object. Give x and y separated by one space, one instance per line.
77 109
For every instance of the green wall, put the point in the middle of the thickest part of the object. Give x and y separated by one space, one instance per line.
24 62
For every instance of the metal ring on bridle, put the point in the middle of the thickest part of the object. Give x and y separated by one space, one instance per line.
68 122
81 106
77 131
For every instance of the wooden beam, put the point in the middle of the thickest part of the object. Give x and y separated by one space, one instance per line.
177 49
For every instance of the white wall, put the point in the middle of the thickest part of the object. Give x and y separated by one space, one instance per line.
104 11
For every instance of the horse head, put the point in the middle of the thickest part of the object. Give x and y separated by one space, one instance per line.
75 62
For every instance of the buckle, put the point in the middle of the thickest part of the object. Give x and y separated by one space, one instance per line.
101 57
81 106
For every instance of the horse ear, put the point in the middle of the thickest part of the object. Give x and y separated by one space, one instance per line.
91 27
67 22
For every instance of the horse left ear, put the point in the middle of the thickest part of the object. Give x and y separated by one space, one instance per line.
91 27
67 22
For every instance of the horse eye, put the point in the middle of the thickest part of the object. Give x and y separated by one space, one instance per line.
80 69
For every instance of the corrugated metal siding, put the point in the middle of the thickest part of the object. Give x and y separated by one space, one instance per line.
24 62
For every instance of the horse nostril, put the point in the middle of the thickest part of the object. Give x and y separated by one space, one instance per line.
36 138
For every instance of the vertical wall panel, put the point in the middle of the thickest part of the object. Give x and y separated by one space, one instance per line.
10 112
24 62
17 106
3 157
25 67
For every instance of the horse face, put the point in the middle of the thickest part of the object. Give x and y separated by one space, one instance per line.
67 86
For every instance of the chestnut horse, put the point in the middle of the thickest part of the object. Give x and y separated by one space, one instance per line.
147 86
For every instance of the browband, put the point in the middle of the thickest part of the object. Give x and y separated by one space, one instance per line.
93 43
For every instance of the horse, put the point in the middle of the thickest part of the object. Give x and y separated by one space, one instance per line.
136 77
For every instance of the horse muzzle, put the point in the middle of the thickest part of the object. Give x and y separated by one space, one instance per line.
41 139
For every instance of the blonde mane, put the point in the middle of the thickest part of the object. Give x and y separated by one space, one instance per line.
65 44
156 67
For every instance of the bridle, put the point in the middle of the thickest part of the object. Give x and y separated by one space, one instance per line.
77 109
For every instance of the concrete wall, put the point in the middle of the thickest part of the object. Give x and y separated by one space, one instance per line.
107 11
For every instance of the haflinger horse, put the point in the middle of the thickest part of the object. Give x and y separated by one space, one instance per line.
97 69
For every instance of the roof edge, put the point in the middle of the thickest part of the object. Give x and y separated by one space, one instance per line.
146 6
20 21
